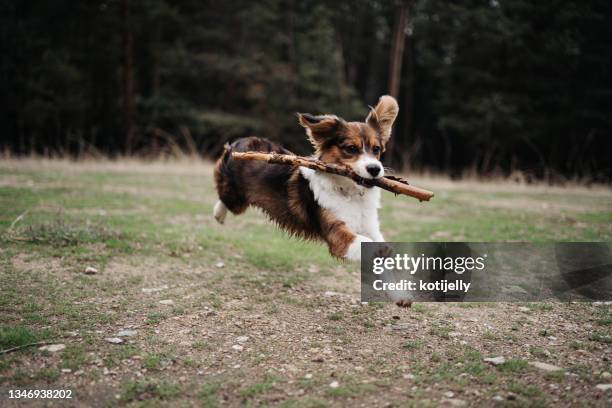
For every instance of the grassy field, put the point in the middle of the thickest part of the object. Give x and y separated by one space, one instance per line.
242 315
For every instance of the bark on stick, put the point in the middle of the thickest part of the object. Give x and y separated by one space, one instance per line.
393 184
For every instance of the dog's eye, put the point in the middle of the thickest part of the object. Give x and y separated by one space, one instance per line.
352 149
376 149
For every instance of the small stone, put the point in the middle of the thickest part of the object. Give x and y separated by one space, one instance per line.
606 375
604 387
167 302
523 309
242 339
66 370
408 376
114 340
453 403
220 264
454 334
498 398
544 366
308 376
237 347
313 269
52 348
495 360
151 290
106 371
127 333
403 327
90 270
334 384
449 394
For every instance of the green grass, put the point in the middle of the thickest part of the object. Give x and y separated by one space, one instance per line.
74 356
208 393
146 227
48 375
412 344
349 386
605 322
60 233
514 365
601 338
524 389
145 390
335 317
261 387
15 336
306 402
19 335
152 362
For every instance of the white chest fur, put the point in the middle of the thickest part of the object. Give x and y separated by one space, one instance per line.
357 206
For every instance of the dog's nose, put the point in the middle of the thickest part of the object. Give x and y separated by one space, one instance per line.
373 169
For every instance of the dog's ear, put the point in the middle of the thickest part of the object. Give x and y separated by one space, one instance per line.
320 128
382 116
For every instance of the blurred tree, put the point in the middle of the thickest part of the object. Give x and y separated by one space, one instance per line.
127 75
483 86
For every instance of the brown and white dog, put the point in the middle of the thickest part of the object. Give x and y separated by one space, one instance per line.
308 203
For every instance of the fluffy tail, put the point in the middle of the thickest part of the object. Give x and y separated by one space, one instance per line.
220 210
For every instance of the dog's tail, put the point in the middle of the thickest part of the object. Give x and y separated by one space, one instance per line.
221 169
221 166
225 156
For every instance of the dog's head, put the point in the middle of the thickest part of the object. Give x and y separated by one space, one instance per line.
357 144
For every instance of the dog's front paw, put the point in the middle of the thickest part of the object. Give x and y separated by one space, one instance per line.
385 251
404 303
353 253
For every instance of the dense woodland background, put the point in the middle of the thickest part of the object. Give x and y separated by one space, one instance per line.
483 86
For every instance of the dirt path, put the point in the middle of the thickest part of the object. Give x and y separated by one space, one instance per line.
243 316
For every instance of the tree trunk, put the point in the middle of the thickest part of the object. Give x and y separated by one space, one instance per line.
127 42
397 48
405 144
395 64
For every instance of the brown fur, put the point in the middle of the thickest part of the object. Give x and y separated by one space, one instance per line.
283 193
280 191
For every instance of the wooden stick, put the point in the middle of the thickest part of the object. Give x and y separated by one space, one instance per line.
10 350
393 184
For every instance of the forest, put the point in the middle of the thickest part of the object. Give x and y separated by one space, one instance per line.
484 87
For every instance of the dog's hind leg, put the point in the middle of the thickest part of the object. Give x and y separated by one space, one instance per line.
220 212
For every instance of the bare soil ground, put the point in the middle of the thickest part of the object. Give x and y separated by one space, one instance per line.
242 315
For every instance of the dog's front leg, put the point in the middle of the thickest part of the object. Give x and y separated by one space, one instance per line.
342 241
353 252
402 298
372 227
